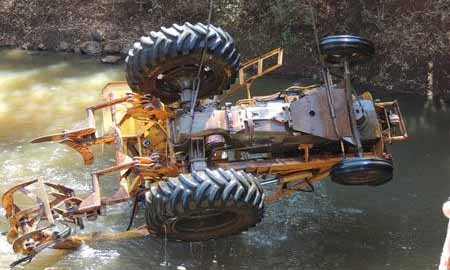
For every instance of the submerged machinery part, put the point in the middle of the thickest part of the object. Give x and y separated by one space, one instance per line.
362 171
204 205
166 62
353 48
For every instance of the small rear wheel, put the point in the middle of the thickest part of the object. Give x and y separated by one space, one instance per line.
353 48
362 171
204 205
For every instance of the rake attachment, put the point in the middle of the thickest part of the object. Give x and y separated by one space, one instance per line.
45 223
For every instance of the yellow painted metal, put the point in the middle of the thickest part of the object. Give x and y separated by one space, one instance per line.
75 241
117 90
259 62
301 185
245 81
296 176
128 128
249 90
155 133
280 165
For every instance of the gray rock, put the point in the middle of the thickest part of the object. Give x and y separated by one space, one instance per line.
63 46
91 47
42 47
26 45
112 47
77 50
111 59
97 35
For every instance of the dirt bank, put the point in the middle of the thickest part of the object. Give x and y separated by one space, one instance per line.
412 37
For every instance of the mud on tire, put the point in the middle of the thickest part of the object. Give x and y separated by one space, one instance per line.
161 63
204 205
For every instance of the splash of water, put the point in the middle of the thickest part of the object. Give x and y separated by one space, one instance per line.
166 262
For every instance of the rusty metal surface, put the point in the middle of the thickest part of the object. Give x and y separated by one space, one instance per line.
32 229
310 114
145 153
37 227
289 134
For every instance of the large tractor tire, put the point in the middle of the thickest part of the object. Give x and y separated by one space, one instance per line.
166 62
204 205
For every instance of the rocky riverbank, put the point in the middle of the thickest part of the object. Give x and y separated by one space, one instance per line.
412 37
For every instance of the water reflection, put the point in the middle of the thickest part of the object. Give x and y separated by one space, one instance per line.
396 226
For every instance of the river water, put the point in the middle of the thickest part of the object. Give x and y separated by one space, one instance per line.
396 226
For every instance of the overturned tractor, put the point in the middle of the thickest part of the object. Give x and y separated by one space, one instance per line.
201 163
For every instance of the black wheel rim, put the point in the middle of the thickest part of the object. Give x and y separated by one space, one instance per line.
362 171
168 80
354 48
172 82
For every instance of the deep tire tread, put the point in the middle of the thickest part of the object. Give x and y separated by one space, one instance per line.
151 51
203 190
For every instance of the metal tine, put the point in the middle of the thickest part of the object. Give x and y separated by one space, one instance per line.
45 201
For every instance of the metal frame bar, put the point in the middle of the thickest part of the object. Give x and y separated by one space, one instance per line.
402 125
243 82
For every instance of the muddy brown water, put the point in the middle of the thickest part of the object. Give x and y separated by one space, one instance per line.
395 226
